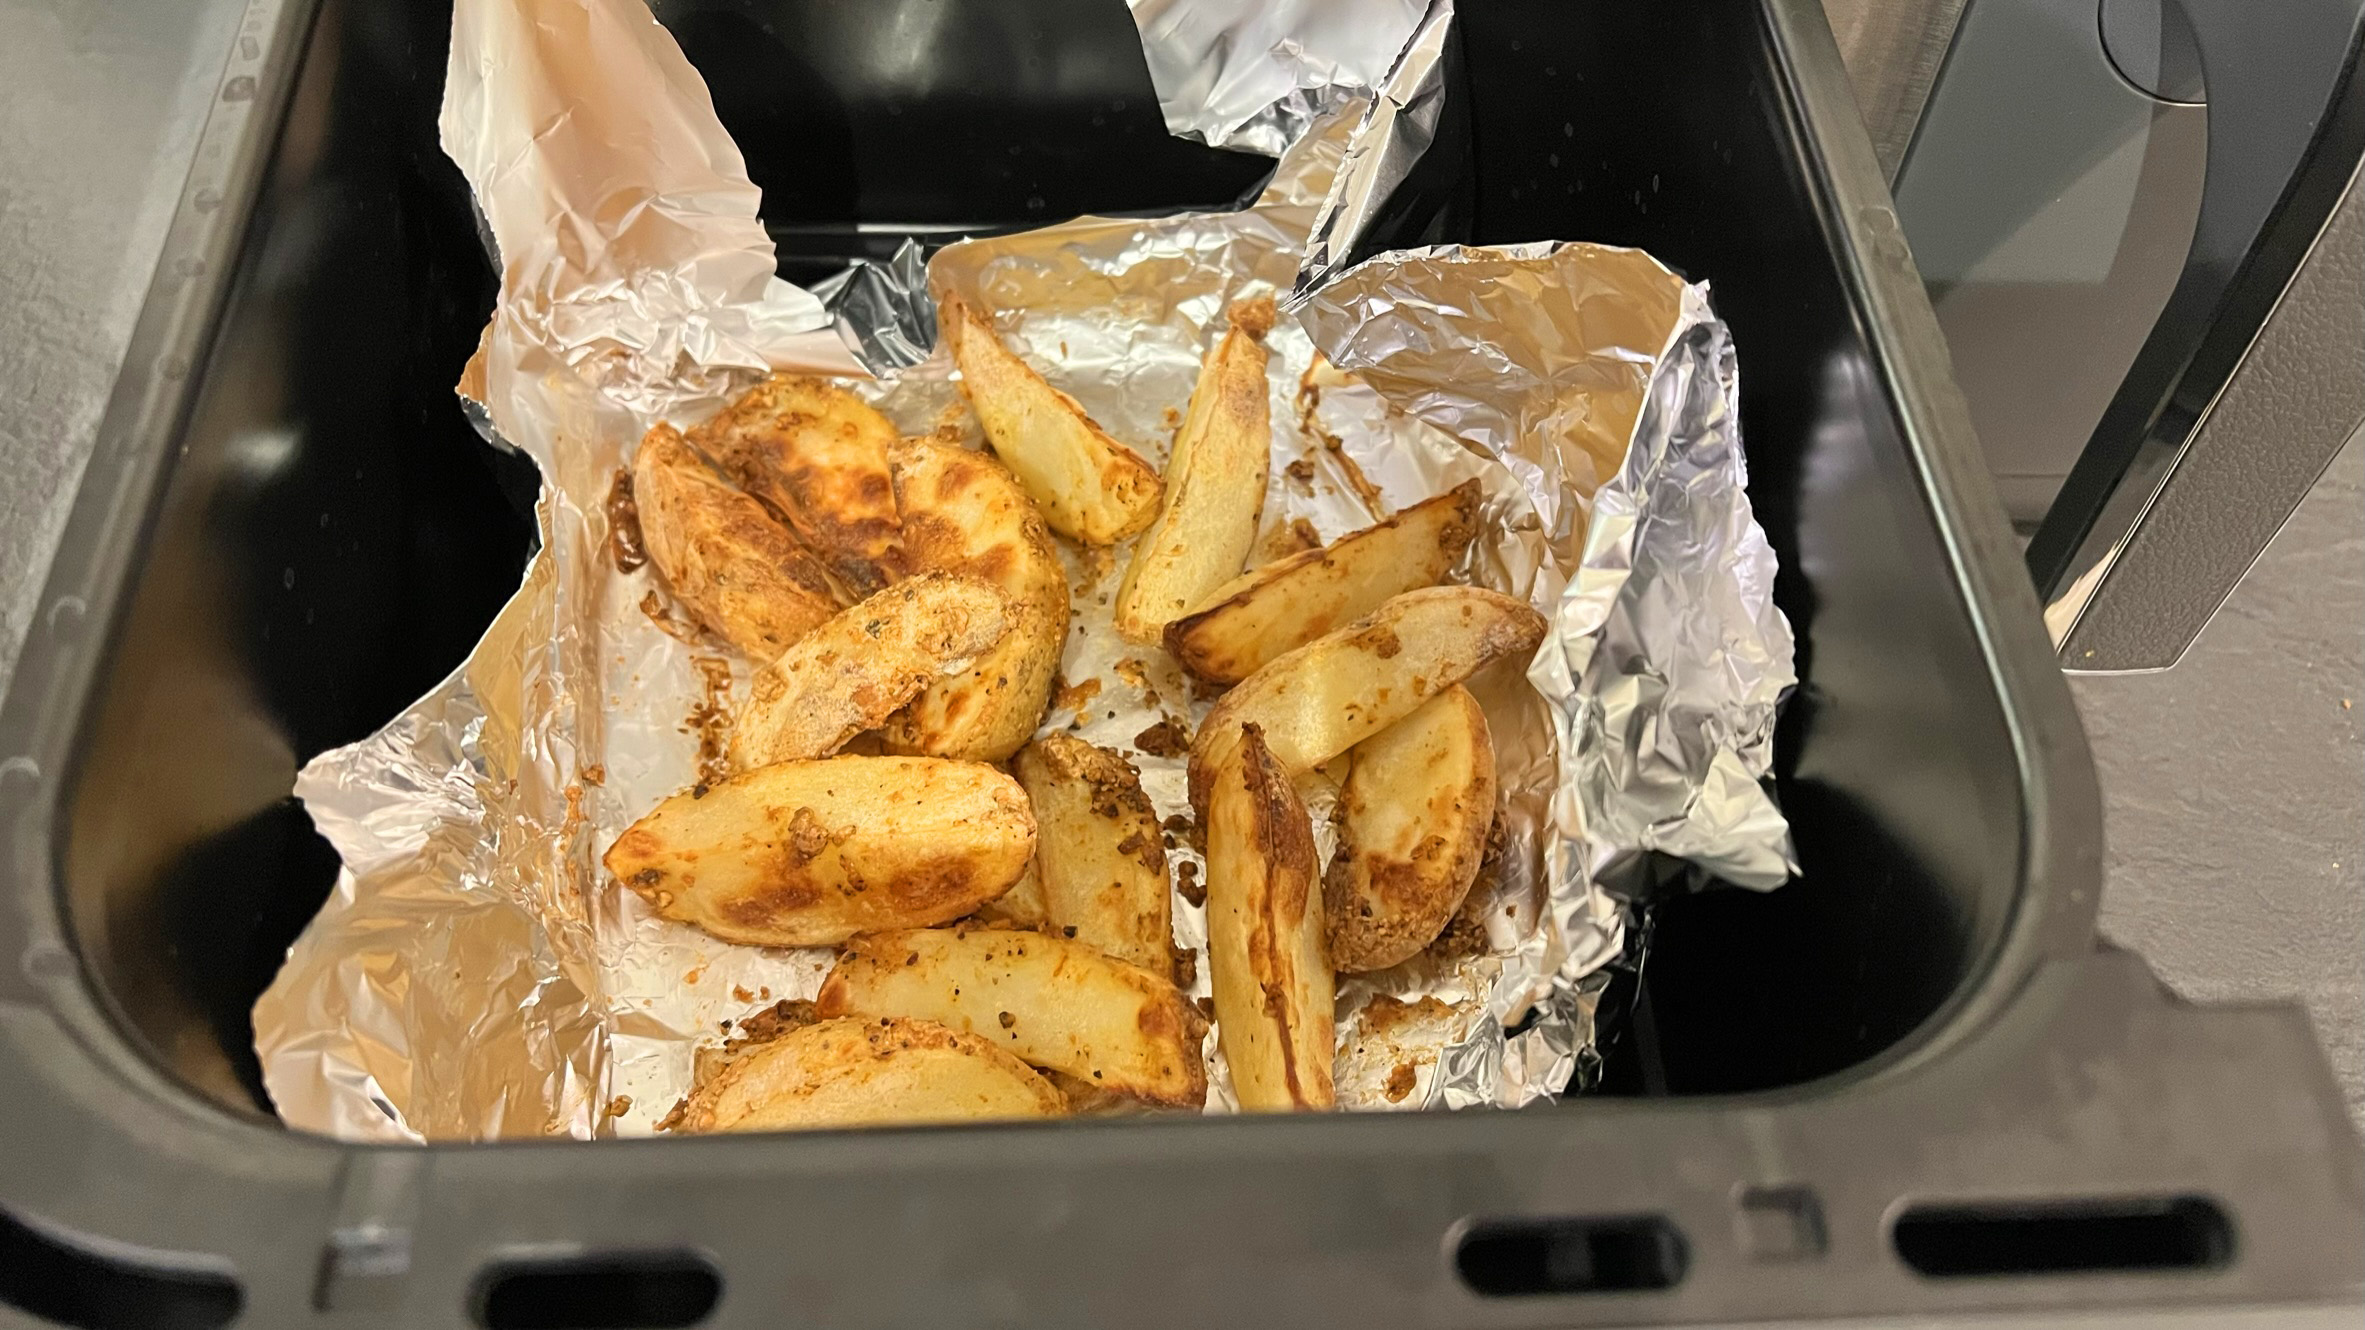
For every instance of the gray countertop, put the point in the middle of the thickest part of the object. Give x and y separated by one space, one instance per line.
2235 783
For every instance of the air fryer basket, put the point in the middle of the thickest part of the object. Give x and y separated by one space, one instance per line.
1907 1081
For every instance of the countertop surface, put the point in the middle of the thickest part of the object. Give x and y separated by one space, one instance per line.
2235 783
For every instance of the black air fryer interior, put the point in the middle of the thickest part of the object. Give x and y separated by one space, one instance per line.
336 536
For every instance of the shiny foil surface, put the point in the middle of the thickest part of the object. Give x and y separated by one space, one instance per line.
476 974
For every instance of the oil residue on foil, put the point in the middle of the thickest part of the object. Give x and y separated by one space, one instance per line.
710 720
625 549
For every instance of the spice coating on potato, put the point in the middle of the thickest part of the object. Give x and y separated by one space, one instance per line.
1271 976
1325 697
818 455
1054 1003
1215 484
851 673
1099 851
964 514
1090 486
1287 603
740 574
1413 819
846 1073
810 853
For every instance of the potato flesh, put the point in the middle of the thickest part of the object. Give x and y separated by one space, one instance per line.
856 1073
1053 1003
852 672
810 853
1413 820
1215 486
740 574
1325 697
1240 627
1090 486
1098 850
818 455
964 514
1271 977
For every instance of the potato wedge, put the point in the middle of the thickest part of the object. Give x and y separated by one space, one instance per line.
1292 601
1413 818
1090 486
1098 849
963 513
818 455
856 1073
739 573
1334 692
1215 485
851 673
804 854
1272 979
1022 905
1054 1003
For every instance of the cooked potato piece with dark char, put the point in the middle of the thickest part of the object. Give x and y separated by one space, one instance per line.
867 1073
1215 484
1287 603
964 514
1413 820
1099 850
1054 1003
853 672
1090 486
1325 697
802 854
1268 968
739 573
818 455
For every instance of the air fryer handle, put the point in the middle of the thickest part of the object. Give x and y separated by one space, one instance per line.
2225 419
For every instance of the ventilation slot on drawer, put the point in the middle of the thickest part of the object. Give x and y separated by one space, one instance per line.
55 1280
634 1292
2087 1237
1516 1258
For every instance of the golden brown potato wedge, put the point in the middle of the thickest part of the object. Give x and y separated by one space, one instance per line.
1292 601
1052 1002
1090 486
803 854
818 455
1099 850
1272 980
1022 905
851 673
964 514
1334 692
1413 818
1215 484
739 573
858 1073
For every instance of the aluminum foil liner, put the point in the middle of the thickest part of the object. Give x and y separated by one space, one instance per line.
1256 74
476 975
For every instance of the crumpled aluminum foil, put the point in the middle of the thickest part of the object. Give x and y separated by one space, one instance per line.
475 974
1255 74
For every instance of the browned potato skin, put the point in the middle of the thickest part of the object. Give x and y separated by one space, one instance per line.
1413 820
1325 697
1098 849
1090 486
851 673
867 1073
1215 484
1270 974
740 574
1290 602
803 854
818 455
964 514
1056 1004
